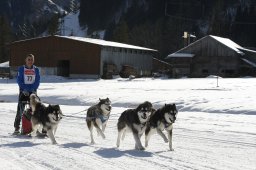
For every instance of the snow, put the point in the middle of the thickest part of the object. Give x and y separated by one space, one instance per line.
215 127
229 43
4 64
181 55
249 62
107 43
72 26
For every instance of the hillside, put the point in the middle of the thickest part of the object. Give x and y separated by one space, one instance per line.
153 24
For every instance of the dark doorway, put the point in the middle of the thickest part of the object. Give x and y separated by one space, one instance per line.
63 68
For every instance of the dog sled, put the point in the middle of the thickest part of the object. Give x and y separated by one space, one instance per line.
26 125
25 114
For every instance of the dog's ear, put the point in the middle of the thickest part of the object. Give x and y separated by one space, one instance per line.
139 108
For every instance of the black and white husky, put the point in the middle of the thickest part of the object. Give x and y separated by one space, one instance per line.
161 119
97 116
44 118
134 120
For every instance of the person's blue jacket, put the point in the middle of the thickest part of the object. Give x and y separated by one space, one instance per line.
28 79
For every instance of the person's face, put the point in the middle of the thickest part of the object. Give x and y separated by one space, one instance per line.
29 61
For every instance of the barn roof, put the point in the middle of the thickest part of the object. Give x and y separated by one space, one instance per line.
5 64
186 55
225 41
249 62
229 43
106 43
94 41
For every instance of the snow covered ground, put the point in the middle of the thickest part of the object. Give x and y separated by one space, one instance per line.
215 127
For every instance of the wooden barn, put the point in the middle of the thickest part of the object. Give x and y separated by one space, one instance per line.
213 55
79 57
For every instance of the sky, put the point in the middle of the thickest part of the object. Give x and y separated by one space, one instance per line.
215 126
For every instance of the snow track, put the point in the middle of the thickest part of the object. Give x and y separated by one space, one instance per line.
201 140
195 147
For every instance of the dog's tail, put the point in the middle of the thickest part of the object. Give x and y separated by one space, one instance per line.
33 101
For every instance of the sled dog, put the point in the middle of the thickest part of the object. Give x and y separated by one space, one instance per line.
97 116
161 119
134 120
44 118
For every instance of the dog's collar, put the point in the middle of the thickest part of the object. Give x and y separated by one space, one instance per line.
166 125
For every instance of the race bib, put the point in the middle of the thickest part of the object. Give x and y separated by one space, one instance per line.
29 76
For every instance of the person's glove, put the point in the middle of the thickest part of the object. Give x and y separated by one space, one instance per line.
34 92
25 93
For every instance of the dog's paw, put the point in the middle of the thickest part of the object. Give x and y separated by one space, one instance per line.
92 142
33 134
139 148
171 149
103 136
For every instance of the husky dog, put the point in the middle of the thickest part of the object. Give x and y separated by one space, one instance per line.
162 119
134 120
97 116
44 118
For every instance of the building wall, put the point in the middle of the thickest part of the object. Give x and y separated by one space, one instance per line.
56 55
139 59
84 58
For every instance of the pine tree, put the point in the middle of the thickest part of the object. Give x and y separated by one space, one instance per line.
53 27
5 38
121 33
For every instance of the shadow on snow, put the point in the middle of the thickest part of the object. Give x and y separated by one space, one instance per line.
116 153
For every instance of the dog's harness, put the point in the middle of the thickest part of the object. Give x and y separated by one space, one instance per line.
103 118
100 116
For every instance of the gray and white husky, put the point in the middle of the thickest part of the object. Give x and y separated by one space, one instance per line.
44 118
161 119
97 116
134 120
